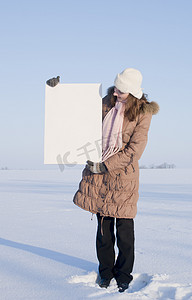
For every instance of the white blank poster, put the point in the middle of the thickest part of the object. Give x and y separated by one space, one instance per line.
73 123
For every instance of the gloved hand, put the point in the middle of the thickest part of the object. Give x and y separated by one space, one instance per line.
96 167
53 81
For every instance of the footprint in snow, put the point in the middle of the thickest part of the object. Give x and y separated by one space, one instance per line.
139 282
143 286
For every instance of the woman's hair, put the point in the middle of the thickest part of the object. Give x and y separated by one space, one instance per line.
133 106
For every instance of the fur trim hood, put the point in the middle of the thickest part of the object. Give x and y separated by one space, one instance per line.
148 107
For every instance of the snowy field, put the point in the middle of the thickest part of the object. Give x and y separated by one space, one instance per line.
47 244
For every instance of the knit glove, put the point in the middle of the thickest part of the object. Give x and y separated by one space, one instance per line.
96 167
53 81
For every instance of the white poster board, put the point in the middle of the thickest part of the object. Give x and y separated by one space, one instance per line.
73 124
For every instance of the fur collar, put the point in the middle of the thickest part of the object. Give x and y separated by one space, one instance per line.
148 107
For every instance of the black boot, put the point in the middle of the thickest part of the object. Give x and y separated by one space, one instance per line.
104 282
122 286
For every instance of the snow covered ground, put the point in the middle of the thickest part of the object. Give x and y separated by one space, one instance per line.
47 244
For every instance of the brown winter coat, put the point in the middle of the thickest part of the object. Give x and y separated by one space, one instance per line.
115 193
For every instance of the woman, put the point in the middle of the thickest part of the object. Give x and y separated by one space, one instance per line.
110 188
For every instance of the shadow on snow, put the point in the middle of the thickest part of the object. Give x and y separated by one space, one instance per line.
54 255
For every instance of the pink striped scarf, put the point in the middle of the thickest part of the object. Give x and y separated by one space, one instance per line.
112 130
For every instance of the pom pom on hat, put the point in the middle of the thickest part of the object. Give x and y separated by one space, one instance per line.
129 81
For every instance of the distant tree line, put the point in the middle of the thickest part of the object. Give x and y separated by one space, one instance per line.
162 166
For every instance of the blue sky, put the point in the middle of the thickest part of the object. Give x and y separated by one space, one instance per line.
90 42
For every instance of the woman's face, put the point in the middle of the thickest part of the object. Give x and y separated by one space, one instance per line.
120 96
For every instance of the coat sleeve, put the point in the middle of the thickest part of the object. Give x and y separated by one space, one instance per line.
135 146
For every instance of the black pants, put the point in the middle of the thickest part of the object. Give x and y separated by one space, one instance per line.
121 268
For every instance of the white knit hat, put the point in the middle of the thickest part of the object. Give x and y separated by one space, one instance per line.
129 81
